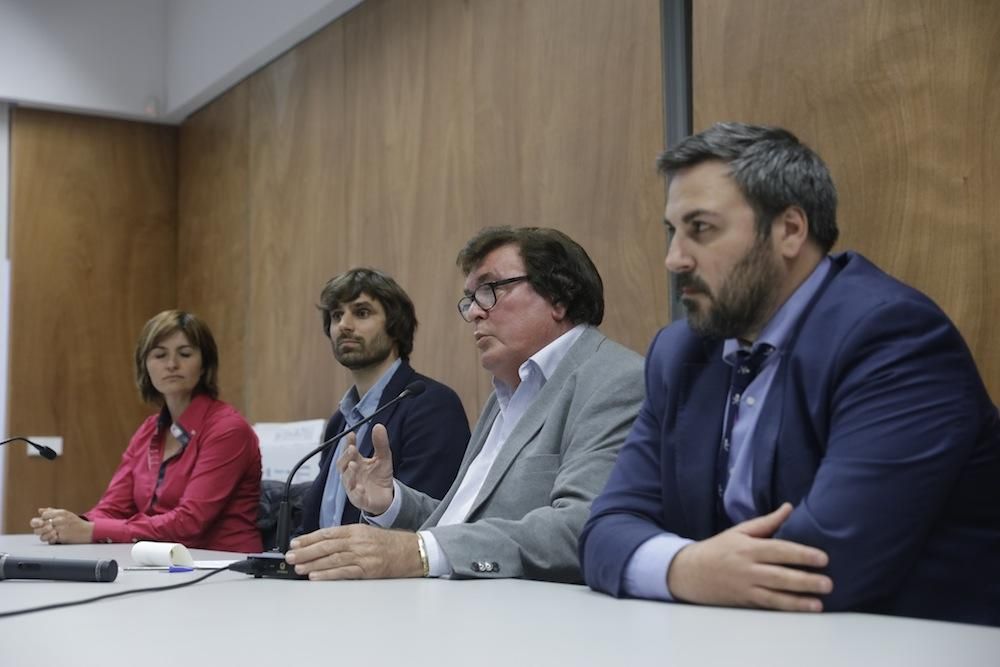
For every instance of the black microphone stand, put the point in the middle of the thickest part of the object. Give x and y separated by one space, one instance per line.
272 563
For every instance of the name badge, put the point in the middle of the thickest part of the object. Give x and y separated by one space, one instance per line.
178 432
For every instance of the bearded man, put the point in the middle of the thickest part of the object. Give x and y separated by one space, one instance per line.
371 322
816 435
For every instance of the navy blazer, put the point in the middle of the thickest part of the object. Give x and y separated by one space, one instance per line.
428 435
877 428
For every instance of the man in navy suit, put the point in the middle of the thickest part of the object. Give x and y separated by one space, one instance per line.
815 434
370 322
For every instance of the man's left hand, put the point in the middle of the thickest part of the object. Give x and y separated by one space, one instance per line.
357 551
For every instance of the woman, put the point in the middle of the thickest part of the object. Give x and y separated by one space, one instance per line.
191 473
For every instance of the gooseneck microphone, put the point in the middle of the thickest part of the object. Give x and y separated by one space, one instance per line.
57 569
272 563
46 452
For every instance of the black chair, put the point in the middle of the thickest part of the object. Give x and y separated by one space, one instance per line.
270 500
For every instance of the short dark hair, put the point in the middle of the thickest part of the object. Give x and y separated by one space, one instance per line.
163 326
400 316
557 267
772 168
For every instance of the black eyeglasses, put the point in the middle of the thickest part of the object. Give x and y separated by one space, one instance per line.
485 296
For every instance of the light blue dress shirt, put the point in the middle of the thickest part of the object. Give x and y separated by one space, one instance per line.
353 410
645 574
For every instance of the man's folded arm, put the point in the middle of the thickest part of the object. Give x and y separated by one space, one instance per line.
625 515
628 512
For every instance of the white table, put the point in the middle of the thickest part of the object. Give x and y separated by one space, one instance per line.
234 619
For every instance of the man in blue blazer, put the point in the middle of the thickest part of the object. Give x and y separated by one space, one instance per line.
370 321
815 434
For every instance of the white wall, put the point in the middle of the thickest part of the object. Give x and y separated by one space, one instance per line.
104 57
213 45
144 59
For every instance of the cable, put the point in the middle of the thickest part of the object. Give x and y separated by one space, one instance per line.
59 605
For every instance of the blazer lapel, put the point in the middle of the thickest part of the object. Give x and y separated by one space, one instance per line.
702 401
765 439
478 439
768 430
476 442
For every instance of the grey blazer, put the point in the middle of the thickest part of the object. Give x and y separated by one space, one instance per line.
527 517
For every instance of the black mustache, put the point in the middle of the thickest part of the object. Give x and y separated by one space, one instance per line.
691 281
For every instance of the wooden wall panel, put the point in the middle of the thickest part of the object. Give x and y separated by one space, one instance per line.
410 189
297 241
213 235
568 121
902 99
386 139
92 258
391 136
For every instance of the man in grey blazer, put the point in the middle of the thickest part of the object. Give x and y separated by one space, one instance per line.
565 397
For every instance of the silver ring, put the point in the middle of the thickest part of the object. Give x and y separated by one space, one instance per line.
50 521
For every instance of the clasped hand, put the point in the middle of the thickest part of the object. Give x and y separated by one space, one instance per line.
745 567
58 526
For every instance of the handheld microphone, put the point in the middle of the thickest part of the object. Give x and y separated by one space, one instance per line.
57 569
46 452
272 564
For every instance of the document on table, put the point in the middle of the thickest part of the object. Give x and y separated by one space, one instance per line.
166 555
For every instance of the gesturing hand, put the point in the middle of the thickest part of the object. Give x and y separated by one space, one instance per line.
745 567
368 481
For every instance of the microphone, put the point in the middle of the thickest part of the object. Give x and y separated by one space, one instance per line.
272 563
64 569
46 452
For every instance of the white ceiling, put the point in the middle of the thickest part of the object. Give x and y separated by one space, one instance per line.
153 60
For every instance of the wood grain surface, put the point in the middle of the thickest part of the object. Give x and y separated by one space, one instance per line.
902 100
388 138
93 256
